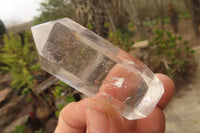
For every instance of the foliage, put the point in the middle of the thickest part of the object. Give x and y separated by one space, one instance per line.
29 99
149 23
157 21
57 92
60 107
165 18
20 61
184 15
20 129
2 28
169 50
122 37
89 26
69 99
55 9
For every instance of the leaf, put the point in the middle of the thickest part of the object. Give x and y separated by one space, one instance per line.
69 99
185 42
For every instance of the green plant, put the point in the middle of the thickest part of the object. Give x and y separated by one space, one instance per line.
89 26
20 60
20 129
150 22
29 99
171 52
165 18
2 28
122 37
106 24
55 9
69 98
184 15
60 107
57 92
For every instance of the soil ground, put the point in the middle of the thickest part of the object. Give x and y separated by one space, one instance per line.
185 30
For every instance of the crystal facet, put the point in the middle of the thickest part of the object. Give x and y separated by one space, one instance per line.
96 67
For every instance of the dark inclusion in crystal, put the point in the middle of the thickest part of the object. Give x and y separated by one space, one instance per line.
63 48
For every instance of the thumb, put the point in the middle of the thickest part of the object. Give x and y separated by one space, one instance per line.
103 118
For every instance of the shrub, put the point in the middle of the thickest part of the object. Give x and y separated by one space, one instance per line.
55 9
20 60
2 28
57 93
123 37
61 88
169 54
20 129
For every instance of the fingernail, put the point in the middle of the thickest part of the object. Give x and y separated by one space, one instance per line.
97 121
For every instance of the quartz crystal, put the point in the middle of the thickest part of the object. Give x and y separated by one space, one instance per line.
96 67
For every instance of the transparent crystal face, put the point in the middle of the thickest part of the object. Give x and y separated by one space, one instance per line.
97 68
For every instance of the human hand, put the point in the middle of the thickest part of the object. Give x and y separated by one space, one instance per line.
96 116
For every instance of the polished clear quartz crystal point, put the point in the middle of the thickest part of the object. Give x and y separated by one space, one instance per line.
96 67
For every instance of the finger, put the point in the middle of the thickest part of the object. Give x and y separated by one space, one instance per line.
103 118
154 123
72 118
169 90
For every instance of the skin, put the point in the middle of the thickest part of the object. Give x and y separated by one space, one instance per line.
93 115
